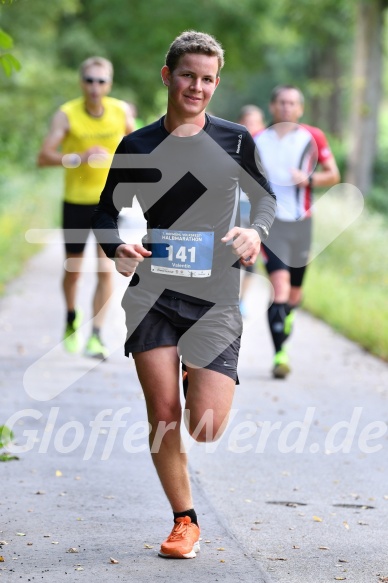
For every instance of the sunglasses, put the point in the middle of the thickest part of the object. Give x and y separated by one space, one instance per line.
91 80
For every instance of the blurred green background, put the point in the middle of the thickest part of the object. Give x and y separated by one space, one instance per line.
334 50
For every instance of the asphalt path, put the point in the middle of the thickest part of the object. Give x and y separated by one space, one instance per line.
295 491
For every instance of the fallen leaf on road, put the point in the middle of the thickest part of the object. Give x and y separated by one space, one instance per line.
55 542
79 569
208 541
58 473
346 525
342 561
220 549
1 559
113 561
40 492
383 579
222 561
295 547
324 548
20 534
3 542
72 550
148 546
339 578
317 519
30 544
276 559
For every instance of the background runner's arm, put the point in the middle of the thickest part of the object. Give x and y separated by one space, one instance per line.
129 120
328 175
49 154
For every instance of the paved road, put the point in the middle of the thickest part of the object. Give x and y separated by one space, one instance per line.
292 493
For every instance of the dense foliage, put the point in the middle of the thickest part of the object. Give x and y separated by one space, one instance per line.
266 43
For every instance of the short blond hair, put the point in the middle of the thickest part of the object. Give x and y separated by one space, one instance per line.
100 62
192 41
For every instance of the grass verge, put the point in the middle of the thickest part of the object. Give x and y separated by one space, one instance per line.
28 200
347 284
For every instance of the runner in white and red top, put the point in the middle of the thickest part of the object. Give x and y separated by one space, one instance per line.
290 153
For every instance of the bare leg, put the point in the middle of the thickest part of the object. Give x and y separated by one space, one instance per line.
210 397
208 403
104 288
70 280
280 280
295 296
158 372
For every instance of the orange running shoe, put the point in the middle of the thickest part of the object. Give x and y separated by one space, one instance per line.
183 542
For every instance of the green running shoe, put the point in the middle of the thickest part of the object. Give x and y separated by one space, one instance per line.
72 339
95 348
288 322
281 366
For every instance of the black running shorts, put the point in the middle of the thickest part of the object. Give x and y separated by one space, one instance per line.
77 221
206 336
288 247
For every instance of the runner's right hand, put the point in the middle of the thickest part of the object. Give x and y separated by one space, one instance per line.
127 258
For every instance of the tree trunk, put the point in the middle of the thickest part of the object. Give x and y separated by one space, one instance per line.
334 113
325 72
366 93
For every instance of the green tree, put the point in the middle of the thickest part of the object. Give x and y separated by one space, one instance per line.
7 60
366 92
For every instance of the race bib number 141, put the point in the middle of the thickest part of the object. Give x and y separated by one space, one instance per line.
189 253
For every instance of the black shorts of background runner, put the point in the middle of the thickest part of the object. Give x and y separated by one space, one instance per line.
212 343
288 247
76 223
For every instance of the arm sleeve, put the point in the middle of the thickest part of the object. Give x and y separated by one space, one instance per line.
255 184
105 217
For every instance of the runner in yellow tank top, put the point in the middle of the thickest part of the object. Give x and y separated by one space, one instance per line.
83 136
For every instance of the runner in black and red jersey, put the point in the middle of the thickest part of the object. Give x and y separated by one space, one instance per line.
186 170
290 153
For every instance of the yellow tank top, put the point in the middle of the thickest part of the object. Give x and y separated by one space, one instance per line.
83 185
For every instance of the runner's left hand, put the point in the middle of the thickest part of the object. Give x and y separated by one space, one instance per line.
246 244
